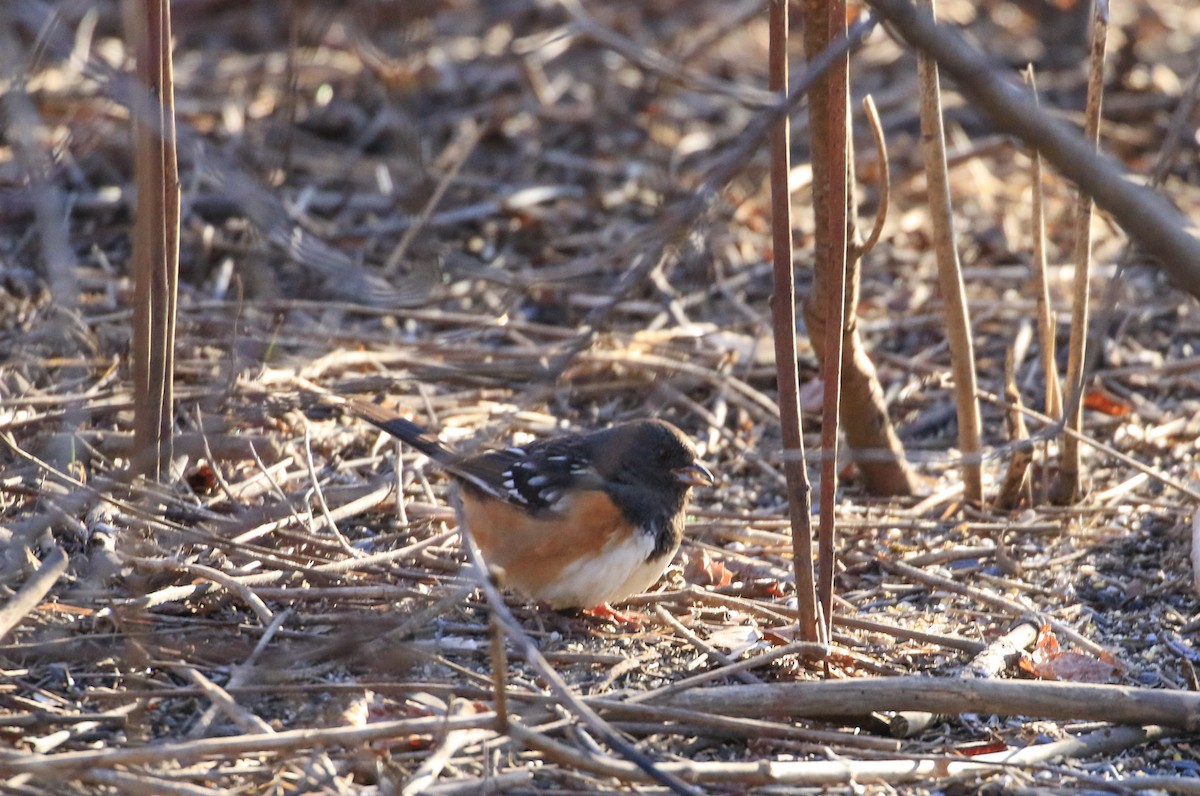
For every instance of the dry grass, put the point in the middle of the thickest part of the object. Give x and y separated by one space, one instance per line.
279 618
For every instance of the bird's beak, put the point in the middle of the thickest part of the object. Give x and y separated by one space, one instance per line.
695 474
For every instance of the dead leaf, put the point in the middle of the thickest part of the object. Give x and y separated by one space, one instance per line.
704 570
1101 400
1048 661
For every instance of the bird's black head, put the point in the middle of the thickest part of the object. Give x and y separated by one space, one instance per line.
652 454
648 467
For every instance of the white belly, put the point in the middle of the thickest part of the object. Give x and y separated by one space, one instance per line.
620 569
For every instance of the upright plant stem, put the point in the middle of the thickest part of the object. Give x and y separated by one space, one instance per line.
950 282
1045 313
830 109
155 235
783 314
1068 488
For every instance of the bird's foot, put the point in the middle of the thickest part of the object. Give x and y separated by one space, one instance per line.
605 611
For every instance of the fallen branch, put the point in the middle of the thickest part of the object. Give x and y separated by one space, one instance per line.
992 661
1075 701
236 745
830 772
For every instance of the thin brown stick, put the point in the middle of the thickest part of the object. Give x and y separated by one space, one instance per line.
780 616
141 784
830 772
860 697
311 469
246 721
235 745
885 178
252 600
829 110
453 158
783 315
1068 489
498 651
1016 477
874 445
241 673
924 637
950 281
747 727
1045 312
33 590
155 235
804 649
703 646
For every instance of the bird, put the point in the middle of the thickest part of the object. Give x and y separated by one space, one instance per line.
577 521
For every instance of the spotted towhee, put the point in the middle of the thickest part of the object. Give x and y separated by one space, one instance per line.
576 521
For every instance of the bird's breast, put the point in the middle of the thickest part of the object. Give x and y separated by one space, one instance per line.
585 554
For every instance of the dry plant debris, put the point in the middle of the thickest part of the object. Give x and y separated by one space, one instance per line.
423 202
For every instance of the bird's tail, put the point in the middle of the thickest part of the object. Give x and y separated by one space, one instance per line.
405 430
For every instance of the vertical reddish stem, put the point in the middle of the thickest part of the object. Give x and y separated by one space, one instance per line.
831 172
783 314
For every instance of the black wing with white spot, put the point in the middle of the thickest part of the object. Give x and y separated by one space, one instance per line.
534 476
